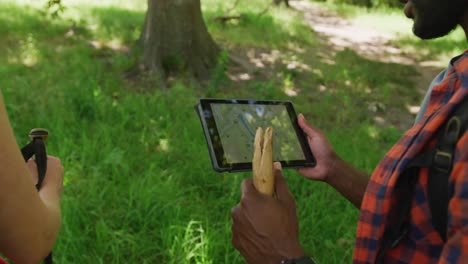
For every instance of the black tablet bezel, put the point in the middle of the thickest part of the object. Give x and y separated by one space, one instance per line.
216 150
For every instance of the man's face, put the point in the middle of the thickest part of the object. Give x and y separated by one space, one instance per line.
434 18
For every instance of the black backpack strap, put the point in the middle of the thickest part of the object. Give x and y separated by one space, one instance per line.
438 182
37 149
440 162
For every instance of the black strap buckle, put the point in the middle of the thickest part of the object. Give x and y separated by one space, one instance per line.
443 161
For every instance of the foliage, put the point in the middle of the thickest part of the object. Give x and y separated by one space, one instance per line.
218 75
54 8
365 3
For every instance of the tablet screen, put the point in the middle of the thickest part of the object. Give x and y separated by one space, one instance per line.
230 126
237 124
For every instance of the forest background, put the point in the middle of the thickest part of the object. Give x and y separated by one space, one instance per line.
139 186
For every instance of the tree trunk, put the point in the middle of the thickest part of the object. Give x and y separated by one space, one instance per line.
278 2
175 39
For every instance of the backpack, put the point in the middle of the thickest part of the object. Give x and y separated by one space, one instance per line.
439 160
36 148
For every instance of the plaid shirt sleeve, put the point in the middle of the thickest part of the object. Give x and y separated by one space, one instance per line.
455 249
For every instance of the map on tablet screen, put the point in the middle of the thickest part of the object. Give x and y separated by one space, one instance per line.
230 126
237 124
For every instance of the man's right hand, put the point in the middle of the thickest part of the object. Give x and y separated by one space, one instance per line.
264 228
321 148
330 168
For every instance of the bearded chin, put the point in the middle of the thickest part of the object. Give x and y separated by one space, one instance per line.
432 31
438 23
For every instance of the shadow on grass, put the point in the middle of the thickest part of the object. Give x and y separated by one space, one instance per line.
257 30
453 44
354 88
117 23
343 80
16 20
359 90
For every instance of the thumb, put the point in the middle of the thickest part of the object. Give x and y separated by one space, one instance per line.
281 187
308 129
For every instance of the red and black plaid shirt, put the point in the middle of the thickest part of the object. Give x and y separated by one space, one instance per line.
423 244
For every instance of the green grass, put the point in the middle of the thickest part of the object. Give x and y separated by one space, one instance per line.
139 187
439 50
276 29
392 20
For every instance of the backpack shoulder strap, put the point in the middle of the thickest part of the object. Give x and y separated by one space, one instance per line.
442 163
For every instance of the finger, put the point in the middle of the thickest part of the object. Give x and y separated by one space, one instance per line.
252 199
240 222
240 226
235 239
281 187
54 174
235 213
248 189
306 127
302 171
257 156
53 158
32 168
277 166
238 242
264 180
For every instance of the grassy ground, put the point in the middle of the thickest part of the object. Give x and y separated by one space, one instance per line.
139 187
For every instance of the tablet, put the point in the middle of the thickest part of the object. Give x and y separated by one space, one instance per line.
229 126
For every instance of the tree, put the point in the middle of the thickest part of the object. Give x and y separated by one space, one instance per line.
175 38
278 2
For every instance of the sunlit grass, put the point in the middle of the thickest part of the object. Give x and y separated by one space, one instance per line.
393 21
438 51
277 27
131 5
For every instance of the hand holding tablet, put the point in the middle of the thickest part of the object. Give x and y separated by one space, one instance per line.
230 127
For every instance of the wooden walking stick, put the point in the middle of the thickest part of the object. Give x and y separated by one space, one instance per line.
262 163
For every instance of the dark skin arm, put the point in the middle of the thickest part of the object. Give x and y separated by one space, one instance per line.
330 168
265 229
